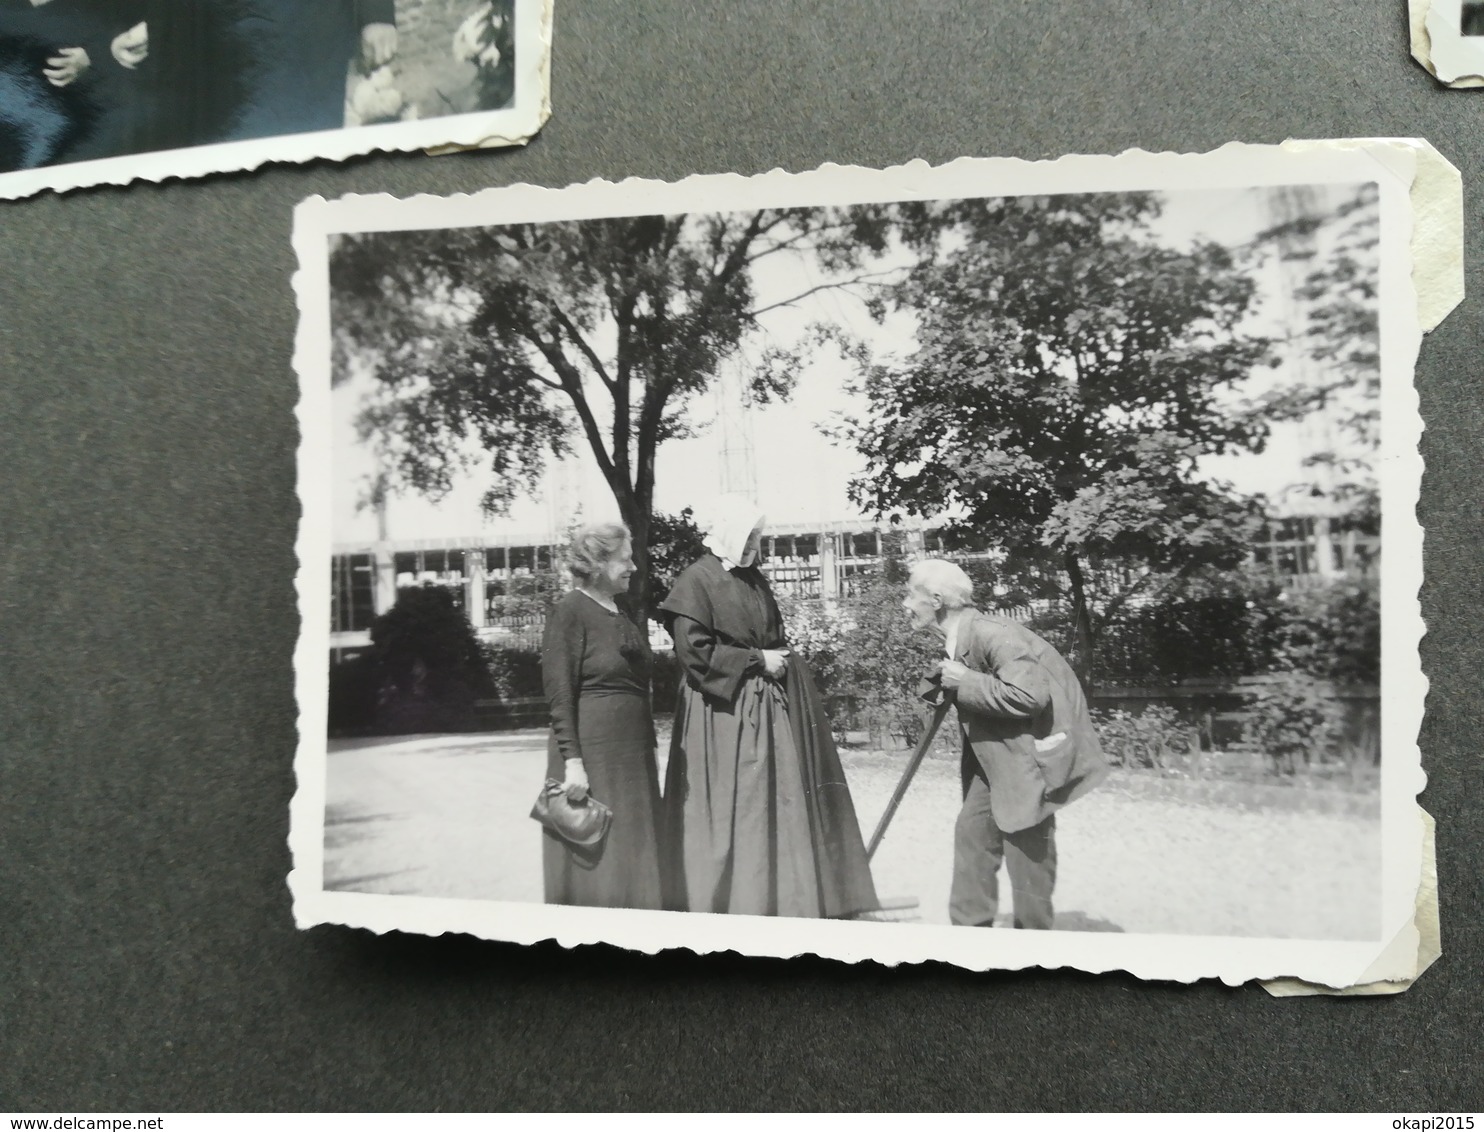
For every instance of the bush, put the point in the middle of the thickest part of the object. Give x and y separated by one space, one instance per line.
864 652
674 543
525 595
424 671
1143 739
515 674
880 659
1201 637
1332 632
1235 624
817 635
352 701
1294 719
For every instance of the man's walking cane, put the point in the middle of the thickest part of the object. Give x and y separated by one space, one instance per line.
912 764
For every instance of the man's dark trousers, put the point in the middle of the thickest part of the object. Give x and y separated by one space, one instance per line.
979 846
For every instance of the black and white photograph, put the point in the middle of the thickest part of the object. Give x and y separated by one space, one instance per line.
1452 39
99 92
834 562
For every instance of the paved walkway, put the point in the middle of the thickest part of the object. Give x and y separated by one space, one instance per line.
447 815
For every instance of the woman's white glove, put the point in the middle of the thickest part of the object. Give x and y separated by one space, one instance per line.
575 783
775 662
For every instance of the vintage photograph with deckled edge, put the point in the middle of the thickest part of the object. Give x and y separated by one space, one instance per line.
836 562
107 93
1448 39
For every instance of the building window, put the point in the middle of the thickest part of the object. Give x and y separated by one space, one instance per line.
1299 546
352 593
853 579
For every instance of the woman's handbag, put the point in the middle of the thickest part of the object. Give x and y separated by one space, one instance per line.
583 824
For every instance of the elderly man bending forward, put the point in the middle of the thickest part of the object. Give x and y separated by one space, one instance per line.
1029 746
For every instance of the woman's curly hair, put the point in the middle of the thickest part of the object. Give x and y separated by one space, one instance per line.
592 546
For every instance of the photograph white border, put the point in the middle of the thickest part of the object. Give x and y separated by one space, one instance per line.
486 129
1392 165
1441 47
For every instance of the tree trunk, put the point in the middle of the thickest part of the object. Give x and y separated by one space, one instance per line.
639 584
1081 619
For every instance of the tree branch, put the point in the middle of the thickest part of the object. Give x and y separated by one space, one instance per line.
785 245
581 343
842 285
736 258
572 386
555 386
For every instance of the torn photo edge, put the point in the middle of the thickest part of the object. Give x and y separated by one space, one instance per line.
514 125
1405 311
1439 45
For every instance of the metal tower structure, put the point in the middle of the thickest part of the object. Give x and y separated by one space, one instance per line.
1289 207
562 492
1300 210
738 471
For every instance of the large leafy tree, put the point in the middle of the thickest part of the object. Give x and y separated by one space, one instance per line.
1070 371
493 349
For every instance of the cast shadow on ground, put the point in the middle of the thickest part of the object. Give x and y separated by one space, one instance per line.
360 883
344 828
437 744
904 911
339 816
1082 922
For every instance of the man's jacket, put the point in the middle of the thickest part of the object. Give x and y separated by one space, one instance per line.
1024 718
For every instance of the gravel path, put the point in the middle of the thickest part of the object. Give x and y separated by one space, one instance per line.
447 816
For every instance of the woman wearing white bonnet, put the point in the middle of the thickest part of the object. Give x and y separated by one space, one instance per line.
733 528
759 815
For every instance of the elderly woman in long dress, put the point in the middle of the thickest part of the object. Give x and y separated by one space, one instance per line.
759 815
595 665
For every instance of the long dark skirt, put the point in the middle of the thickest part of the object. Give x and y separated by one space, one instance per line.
758 809
616 733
